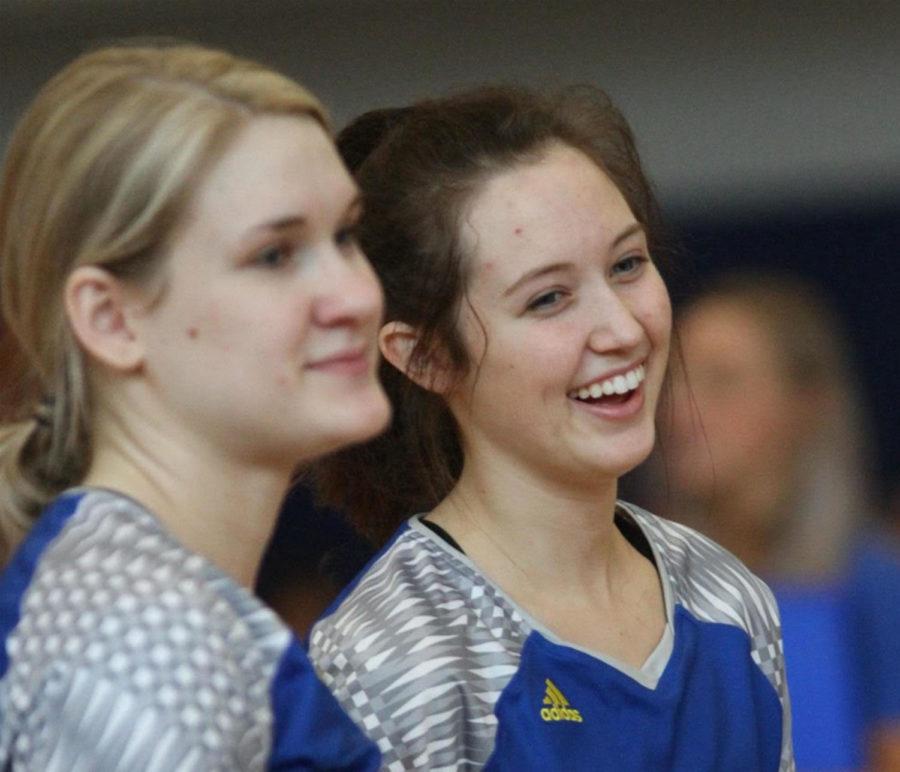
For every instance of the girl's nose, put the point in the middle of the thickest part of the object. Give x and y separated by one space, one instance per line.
351 293
616 327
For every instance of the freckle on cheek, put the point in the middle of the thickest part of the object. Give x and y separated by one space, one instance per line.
192 332
518 231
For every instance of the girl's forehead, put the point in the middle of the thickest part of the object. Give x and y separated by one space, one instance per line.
555 208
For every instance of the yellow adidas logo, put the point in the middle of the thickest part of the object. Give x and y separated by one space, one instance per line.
560 710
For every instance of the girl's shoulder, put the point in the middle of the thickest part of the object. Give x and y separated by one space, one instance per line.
711 586
703 577
415 583
116 621
103 561
419 602
420 629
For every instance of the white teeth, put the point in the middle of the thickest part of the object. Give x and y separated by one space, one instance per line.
618 384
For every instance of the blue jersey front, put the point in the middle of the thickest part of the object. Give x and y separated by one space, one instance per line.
443 670
712 709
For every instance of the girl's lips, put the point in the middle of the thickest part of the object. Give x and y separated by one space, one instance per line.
616 383
356 362
617 408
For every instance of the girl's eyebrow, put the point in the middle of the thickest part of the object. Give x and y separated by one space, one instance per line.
280 223
542 270
628 233
353 208
534 274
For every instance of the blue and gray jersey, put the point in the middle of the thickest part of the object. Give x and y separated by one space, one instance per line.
445 672
124 651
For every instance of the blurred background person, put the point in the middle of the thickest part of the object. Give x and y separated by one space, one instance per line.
764 448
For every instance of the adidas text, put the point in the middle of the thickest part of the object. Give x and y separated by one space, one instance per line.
561 714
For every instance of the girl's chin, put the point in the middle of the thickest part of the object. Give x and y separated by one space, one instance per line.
364 424
625 461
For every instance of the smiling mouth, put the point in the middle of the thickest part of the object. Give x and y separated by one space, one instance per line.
616 389
350 362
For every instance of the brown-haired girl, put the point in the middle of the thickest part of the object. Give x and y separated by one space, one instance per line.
521 617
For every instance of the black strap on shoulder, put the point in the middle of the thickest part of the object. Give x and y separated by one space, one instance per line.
635 536
443 535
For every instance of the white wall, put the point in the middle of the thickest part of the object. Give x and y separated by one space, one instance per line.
736 104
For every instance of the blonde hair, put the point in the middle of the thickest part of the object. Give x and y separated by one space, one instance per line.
98 172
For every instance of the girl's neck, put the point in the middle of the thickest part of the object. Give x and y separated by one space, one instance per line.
224 512
529 529
557 552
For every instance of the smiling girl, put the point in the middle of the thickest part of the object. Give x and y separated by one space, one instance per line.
522 617
192 318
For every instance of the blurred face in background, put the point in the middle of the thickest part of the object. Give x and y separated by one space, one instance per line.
734 428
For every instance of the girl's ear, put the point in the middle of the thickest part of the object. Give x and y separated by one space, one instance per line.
96 306
397 341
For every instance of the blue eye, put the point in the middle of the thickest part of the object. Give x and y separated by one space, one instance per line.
273 256
546 301
346 237
629 265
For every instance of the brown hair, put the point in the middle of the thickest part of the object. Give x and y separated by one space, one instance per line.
98 172
419 168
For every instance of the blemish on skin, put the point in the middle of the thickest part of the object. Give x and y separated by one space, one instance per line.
518 231
192 332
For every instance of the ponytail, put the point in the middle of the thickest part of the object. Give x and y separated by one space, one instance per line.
42 454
